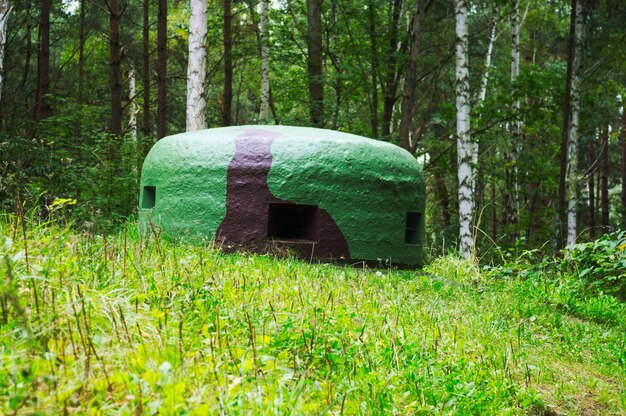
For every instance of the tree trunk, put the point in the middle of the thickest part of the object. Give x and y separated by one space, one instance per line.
591 189
314 62
408 92
623 164
374 69
196 68
227 98
42 108
492 39
565 128
336 61
81 52
264 113
604 180
161 69
28 38
115 68
391 83
5 10
146 68
133 109
572 142
511 199
465 148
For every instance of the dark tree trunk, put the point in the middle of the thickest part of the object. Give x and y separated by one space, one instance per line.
604 180
494 208
29 44
591 186
624 166
374 68
161 69
565 128
146 68
443 198
42 109
81 52
391 83
115 67
338 69
227 99
314 62
408 93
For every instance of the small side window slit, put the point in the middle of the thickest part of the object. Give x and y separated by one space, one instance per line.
148 199
412 231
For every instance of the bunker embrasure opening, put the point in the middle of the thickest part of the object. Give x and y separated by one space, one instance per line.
292 222
412 234
149 197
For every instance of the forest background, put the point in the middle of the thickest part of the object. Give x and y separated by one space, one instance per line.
88 86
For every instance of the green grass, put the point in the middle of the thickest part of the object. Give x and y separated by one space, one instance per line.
115 325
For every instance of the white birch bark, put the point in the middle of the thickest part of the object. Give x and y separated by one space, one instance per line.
265 62
133 108
466 150
196 67
5 10
492 39
572 151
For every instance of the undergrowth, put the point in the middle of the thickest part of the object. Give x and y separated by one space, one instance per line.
115 324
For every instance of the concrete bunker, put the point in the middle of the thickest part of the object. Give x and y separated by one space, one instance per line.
322 194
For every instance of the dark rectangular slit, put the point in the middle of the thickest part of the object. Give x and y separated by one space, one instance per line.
292 222
412 234
148 199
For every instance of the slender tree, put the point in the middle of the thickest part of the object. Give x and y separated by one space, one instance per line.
591 190
564 151
572 142
511 201
314 62
145 71
392 69
465 148
623 137
492 39
227 97
161 69
29 43
408 91
196 68
81 51
264 112
115 67
133 108
604 180
373 67
42 108
5 10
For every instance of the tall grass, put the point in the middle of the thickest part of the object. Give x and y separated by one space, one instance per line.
116 324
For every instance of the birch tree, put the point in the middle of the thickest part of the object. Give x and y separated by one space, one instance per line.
133 108
5 10
264 112
466 150
196 67
572 142
492 39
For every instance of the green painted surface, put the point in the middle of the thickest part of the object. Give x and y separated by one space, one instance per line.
188 172
367 186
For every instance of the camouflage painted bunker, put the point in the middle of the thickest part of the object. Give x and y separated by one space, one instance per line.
322 194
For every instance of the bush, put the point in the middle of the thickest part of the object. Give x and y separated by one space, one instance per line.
601 263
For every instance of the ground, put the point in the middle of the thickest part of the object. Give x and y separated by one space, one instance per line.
115 324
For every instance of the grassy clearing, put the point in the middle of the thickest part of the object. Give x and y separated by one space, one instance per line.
116 325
